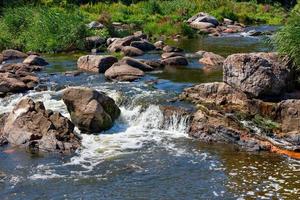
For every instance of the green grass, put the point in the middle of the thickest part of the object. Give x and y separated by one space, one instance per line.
42 29
287 40
54 26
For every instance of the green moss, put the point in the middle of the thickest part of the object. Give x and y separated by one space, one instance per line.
264 123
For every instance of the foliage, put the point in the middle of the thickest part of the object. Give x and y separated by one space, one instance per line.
42 29
287 40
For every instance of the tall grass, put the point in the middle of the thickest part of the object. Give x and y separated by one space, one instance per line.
43 29
287 40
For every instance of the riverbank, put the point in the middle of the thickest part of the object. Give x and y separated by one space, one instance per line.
32 28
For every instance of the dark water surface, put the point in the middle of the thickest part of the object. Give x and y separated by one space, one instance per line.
137 159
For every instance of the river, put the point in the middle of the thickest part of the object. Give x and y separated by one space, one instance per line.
137 158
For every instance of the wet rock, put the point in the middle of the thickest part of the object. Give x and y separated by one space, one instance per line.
212 59
91 111
118 44
95 63
155 64
169 49
217 93
30 125
123 72
35 60
143 45
211 126
258 74
203 17
13 54
94 42
171 54
159 44
132 51
136 64
20 67
95 25
17 82
175 61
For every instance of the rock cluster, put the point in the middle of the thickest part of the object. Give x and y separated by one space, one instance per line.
228 111
209 24
31 126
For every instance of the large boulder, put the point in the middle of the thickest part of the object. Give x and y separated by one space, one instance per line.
175 61
132 51
212 59
91 111
13 54
119 43
35 60
258 74
136 64
143 45
32 126
95 63
123 72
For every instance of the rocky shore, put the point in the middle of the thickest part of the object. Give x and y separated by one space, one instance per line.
240 111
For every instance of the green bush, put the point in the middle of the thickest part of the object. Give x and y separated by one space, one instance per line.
287 40
43 29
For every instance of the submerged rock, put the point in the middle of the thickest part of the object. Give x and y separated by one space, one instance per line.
35 60
30 125
13 54
123 72
95 63
91 111
258 74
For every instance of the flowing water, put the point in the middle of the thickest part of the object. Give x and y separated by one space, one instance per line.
140 157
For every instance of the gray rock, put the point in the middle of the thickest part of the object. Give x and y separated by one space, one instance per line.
258 74
95 25
143 45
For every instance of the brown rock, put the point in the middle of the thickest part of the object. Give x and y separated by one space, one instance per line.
132 51
91 111
136 64
212 59
95 63
175 61
171 54
13 54
123 72
35 60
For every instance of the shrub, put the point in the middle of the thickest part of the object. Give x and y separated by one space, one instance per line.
287 40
